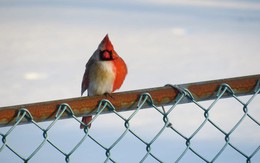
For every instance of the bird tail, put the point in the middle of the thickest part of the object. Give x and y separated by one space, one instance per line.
86 120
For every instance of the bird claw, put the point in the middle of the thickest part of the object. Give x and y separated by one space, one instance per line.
108 95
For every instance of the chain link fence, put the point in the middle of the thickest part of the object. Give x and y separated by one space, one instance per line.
148 148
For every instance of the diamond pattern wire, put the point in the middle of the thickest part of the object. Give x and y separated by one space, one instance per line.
147 144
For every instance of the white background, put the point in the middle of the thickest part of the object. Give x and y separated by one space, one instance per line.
44 46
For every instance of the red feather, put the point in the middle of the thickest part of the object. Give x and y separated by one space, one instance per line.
121 71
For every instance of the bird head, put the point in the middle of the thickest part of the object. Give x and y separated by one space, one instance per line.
106 50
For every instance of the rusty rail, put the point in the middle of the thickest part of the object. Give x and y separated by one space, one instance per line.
124 101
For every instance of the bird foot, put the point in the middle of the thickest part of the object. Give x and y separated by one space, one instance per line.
108 95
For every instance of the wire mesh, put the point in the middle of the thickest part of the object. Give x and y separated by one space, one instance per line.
147 144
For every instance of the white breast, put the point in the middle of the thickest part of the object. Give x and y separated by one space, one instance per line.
101 78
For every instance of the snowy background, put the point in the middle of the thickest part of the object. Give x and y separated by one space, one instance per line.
44 46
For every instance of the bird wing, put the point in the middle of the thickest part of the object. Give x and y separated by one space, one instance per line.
85 81
121 71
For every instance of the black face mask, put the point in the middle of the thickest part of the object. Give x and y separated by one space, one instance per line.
103 57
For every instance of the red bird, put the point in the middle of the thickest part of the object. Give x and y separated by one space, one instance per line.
105 73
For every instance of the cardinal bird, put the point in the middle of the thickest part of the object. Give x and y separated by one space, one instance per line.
105 73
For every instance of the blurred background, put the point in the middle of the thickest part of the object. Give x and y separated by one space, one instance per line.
45 44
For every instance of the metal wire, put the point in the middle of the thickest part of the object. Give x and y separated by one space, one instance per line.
145 100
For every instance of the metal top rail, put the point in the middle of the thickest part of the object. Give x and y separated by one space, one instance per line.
124 101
